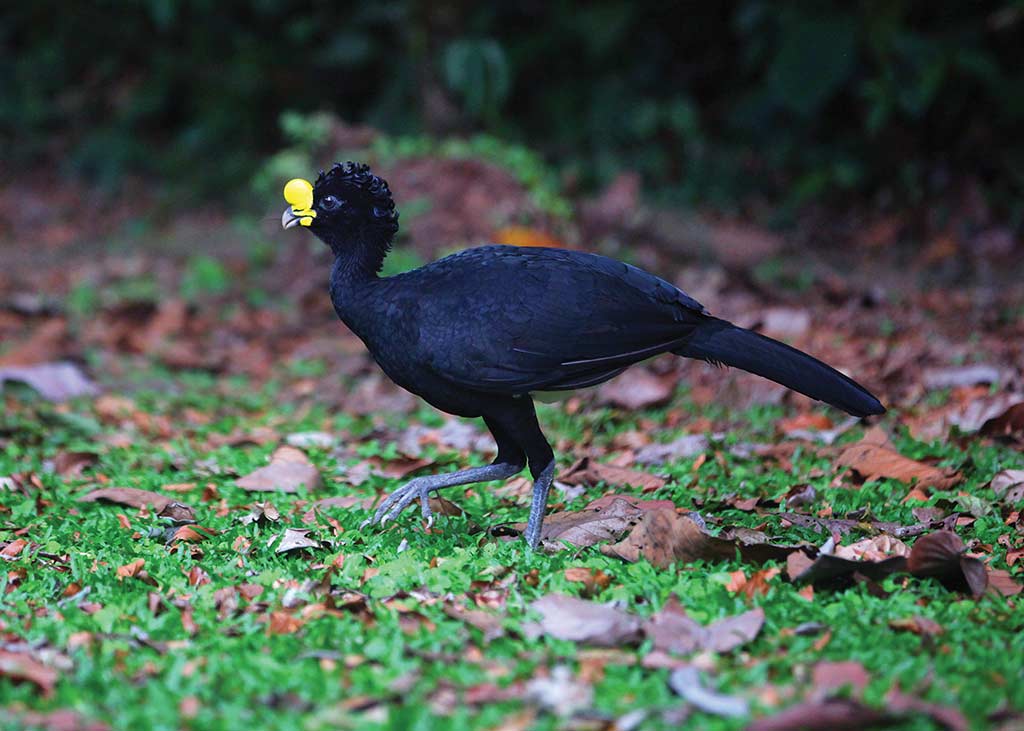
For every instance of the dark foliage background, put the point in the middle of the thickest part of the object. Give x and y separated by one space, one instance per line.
799 101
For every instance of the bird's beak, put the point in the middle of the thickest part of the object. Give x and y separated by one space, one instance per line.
299 194
291 218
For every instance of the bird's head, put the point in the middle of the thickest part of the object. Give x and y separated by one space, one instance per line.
346 205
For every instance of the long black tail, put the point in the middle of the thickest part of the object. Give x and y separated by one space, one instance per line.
718 341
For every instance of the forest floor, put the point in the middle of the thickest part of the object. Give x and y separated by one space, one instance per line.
181 502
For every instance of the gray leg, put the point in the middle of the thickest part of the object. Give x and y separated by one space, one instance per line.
421 487
539 504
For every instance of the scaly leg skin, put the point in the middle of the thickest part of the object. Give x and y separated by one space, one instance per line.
538 505
421 487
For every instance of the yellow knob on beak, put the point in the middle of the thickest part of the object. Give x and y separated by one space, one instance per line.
299 194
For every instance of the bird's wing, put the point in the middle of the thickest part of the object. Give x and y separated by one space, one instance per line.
514 320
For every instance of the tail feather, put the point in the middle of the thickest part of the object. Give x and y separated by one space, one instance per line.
718 341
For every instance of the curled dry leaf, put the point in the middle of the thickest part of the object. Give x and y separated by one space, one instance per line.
63 719
589 472
577 620
1009 485
672 630
337 501
489 624
685 682
829 676
296 539
940 555
131 497
289 469
873 461
685 447
594 580
830 714
917 625
52 381
587 527
22 667
663 537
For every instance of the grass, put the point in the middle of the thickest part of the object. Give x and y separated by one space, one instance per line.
390 658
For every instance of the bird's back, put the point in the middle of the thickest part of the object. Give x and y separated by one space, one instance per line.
512 320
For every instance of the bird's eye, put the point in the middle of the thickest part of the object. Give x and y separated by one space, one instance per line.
330 203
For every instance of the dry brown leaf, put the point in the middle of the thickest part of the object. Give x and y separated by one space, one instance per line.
60 720
594 580
940 555
589 472
637 388
873 462
577 620
1002 583
917 625
13 549
827 676
72 464
672 630
490 624
663 537
338 501
129 496
296 539
21 667
289 470
586 527
830 714
130 569
52 381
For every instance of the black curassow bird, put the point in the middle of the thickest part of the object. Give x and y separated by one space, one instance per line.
476 333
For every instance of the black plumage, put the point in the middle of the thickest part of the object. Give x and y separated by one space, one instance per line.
476 333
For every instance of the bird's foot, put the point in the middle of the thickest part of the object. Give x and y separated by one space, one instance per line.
400 499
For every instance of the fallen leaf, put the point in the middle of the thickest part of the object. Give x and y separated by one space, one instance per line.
663 537
1001 582
589 472
672 630
636 388
577 620
940 555
830 714
289 469
685 447
72 464
805 422
917 625
969 375
312 439
12 550
261 513
25 668
594 580
560 693
129 496
52 381
491 625
296 539
951 718
130 569
828 676
60 720
873 462
754 585
282 623
338 501
586 527
686 683
1009 485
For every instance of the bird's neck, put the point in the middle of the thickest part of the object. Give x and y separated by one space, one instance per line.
358 259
